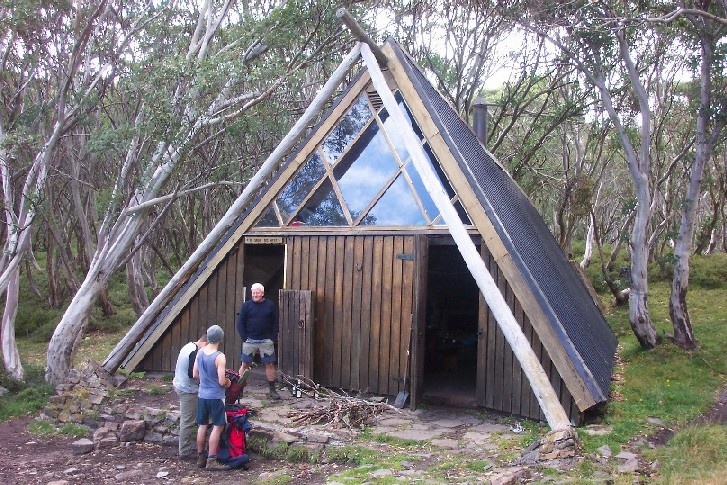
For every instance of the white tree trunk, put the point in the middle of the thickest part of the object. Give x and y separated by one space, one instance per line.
683 333
11 357
590 236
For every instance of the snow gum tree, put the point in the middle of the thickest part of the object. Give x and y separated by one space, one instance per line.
194 71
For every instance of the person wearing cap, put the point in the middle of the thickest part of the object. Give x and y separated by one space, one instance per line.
209 368
257 324
186 388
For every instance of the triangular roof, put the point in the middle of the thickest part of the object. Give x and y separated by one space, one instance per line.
562 311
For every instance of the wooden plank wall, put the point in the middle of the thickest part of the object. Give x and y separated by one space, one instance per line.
363 304
506 387
216 303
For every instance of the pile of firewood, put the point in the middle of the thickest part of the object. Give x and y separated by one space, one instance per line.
334 408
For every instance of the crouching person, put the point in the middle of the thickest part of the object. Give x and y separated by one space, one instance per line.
209 368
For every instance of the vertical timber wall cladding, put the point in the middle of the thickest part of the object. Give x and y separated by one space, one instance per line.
505 386
216 302
364 300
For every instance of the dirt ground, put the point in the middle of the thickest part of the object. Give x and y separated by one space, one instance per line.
29 459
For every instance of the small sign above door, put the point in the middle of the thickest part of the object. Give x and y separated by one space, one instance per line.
264 240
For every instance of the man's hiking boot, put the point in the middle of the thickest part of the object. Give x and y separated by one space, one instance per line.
273 394
213 464
201 459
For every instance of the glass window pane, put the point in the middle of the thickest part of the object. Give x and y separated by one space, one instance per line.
365 170
421 191
299 186
396 207
438 169
396 135
268 219
347 129
322 209
407 115
462 213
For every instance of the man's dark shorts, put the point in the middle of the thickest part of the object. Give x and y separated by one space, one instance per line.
211 410
266 349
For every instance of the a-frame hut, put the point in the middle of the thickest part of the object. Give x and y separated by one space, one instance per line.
403 257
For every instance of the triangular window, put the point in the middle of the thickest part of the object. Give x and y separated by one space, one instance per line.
361 174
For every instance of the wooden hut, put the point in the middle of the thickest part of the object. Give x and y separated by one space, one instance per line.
365 233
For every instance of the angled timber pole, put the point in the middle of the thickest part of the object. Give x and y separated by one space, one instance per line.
544 392
361 35
147 319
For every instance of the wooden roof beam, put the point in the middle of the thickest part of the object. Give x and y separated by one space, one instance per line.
362 36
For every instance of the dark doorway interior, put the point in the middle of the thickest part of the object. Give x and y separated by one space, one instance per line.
450 361
264 263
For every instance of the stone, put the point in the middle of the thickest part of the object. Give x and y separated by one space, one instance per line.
280 436
132 431
102 433
418 434
382 472
108 442
317 438
153 437
128 475
509 477
605 451
446 443
598 430
119 380
630 466
82 446
626 455
447 423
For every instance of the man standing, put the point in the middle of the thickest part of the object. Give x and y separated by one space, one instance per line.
209 368
257 323
186 388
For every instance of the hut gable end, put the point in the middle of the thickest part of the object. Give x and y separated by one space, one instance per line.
351 215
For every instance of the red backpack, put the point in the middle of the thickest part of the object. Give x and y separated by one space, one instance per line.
233 445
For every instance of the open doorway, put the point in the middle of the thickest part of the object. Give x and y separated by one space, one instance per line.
450 360
265 264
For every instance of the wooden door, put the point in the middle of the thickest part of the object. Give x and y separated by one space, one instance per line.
295 343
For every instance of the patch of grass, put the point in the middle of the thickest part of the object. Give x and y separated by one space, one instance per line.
358 455
43 428
158 389
394 441
276 478
40 427
668 383
73 430
299 454
264 448
694 455
26 397
479 466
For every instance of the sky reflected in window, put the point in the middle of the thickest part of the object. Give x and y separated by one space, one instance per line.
396 207
365 169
